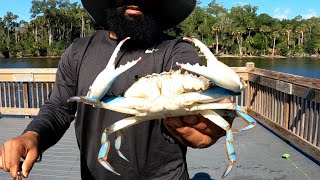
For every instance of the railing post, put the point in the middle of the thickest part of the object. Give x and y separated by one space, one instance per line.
25 96
286 110
249 67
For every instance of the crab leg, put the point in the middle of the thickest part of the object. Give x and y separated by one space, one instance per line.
210 95
105 79
218 120
250 122
105 143
218 72
117 144
104 151
213 106
130 105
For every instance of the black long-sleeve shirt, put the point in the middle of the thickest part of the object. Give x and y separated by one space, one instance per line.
150 155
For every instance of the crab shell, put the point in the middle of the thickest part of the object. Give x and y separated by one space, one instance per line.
169 84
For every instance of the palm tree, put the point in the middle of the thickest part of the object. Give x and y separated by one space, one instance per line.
288 30
238 33
301 29
264 30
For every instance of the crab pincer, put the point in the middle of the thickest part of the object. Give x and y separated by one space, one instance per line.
105 79
216 71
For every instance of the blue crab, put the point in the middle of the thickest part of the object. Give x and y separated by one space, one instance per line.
169 94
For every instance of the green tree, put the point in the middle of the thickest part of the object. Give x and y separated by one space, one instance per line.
265 30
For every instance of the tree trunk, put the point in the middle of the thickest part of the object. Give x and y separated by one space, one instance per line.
16 37
217 43
82 26
274 45
36 34
50 36
240 45
64 31
288 38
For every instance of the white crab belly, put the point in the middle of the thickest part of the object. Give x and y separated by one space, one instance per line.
166 107
160 107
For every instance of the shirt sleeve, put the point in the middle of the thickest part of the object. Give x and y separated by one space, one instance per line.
56 114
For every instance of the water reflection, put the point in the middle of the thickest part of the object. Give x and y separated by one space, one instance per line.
302 67
29 63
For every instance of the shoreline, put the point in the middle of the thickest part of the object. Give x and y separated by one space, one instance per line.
313 57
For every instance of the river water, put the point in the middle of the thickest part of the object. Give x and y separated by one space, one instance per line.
302 67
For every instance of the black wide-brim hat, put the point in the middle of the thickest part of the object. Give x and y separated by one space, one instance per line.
167 12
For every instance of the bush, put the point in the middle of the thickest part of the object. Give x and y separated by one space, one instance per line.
283 49
310 47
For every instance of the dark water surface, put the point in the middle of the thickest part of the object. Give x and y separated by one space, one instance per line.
29 63
302 67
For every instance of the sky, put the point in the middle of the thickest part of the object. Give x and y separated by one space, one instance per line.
281 9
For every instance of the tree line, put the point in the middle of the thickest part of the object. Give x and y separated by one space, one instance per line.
238 31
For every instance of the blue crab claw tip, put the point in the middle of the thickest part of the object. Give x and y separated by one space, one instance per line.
228 169
106 165
74 98
122 156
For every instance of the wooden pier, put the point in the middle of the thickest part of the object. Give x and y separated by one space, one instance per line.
285 104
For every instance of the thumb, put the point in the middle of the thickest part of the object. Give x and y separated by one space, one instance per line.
28 163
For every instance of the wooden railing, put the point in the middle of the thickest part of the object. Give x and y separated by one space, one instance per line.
23 91
285 103
288 105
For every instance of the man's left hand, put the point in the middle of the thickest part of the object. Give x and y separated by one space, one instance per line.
195 130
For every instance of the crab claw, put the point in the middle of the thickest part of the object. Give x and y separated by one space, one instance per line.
218 72
105 79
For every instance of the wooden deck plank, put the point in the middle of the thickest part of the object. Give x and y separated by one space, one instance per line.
258 157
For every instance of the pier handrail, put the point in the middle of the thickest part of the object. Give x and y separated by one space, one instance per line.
287 104
24 90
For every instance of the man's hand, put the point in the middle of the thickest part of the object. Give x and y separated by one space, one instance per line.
25 146
195 131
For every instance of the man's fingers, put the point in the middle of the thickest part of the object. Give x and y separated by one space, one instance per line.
5 163
31 158
203 125
194 131
14 161
187 134
193 138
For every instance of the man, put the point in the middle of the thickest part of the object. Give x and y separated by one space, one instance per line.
154 150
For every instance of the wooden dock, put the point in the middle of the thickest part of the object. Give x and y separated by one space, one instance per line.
287 104
258 151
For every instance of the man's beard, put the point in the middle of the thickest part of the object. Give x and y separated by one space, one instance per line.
142 30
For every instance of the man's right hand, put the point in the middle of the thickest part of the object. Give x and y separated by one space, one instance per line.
25 146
